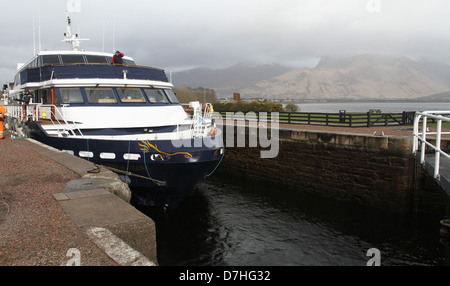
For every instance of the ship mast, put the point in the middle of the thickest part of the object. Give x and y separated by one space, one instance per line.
72 39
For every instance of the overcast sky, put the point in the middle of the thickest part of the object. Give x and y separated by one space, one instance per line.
180 34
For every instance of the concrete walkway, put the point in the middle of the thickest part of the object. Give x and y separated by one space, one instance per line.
46 221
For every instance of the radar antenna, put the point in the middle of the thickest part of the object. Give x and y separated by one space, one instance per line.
72 39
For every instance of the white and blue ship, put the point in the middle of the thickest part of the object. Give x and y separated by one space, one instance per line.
124 117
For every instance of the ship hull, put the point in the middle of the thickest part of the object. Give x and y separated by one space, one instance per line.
159 172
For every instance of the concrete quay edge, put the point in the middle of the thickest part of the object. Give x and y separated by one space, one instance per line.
120 230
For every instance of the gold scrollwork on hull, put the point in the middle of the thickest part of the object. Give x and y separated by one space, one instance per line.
146 145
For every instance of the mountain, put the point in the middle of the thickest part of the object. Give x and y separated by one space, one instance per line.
355 77
228 80
439 97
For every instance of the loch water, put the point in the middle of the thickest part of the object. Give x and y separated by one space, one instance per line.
228 221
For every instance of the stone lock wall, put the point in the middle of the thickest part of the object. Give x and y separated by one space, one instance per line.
376 171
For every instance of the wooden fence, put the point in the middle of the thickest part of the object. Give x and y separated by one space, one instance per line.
342 118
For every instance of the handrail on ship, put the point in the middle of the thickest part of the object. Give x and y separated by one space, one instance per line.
35 111
422 137
201 115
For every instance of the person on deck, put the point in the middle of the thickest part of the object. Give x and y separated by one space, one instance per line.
26 97
117 58
2 118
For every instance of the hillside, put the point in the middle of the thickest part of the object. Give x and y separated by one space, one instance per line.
356 77
226 81
359 77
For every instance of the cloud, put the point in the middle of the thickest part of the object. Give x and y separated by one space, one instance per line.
175 34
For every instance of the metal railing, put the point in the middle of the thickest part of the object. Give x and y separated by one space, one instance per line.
34 112
201 116
423 139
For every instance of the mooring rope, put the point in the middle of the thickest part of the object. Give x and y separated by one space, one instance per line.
220 161
88 150
131 174
128 159
148 173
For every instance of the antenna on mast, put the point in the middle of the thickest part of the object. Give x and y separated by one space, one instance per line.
114 31
72 39
39 31
39 28
34 35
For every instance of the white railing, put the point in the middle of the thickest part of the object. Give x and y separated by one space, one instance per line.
201 116
422 137
34 112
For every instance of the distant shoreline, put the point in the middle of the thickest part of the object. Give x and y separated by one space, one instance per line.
301 101
415 100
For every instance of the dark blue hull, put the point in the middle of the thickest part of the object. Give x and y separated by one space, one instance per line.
159 173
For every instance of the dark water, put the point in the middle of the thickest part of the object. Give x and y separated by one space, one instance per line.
229 222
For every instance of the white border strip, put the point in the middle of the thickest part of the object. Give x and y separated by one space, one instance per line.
117 249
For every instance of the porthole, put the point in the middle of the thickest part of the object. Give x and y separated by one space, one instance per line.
159 157
109 156
128 156
86 154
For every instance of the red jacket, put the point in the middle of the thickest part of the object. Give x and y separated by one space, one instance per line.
121 56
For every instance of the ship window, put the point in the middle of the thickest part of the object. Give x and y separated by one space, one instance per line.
44 96
96 59
72 59
132 95
156 95
100 95
35 96
171 95
50 59
71 95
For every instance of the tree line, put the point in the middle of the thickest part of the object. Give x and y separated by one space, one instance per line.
187 94
201 94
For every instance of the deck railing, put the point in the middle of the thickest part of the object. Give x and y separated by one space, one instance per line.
201 116
421 118
36 112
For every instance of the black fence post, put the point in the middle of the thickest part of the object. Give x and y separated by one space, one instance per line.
342 116
368 119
